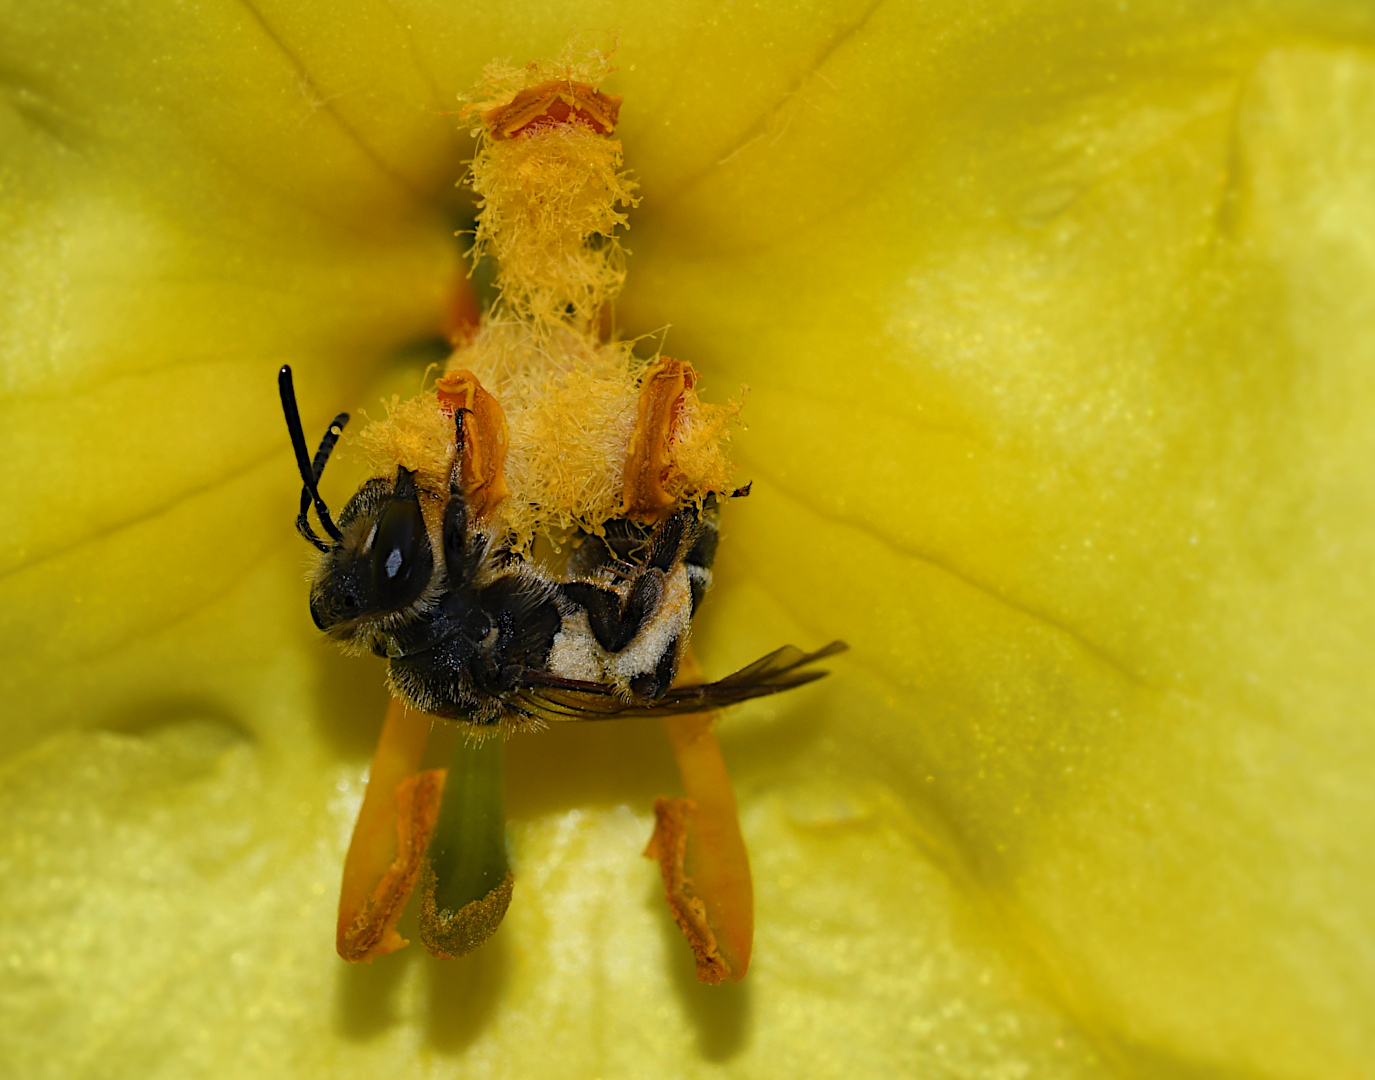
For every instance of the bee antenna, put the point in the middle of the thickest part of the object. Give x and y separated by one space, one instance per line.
310 471
317 468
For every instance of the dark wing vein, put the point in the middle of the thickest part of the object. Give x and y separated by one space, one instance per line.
556 698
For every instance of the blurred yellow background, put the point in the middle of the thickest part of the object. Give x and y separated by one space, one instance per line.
1058 322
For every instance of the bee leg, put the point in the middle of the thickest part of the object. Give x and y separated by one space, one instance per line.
696 535
667 539
702 554
400 807
460 563
603 609
456 513
640 603
651 685
707 882
615 622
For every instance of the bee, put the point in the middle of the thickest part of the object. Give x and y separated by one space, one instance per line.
472 632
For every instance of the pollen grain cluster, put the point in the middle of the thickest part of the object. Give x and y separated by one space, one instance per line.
552 195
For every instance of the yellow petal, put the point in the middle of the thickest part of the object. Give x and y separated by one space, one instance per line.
1057 327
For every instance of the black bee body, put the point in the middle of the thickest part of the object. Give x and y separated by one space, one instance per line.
476 634
475 651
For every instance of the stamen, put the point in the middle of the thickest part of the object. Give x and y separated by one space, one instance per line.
649 458
549 178
484 440
399 810
558 101
700 851
467 880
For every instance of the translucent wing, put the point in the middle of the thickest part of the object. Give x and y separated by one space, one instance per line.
555 698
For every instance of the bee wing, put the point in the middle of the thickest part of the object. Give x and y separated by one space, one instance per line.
556 698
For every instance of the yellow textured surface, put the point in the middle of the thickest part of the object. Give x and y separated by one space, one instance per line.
549 229
541 196
544 194
1059 329
569 403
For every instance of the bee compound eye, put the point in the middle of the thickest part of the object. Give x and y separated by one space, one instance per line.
401 560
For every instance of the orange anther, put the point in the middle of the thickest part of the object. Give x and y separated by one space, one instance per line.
400 808
700 851
555 102
647 464
484 439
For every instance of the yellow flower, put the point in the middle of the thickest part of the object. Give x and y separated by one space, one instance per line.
1058 329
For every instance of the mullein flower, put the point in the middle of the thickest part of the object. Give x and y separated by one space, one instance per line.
480 557
1056 325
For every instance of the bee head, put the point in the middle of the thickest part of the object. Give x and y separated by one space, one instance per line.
380 564
377 561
